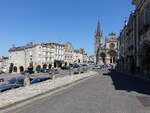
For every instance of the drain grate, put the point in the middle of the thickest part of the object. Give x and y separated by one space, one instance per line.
144 100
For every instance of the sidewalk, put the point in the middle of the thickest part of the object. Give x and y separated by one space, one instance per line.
22 94
135 75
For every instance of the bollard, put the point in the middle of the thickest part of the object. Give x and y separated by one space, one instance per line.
50 74
76 70
82 70
86 69
26 79
53 76
70 72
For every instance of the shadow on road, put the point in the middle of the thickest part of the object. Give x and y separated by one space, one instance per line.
128 83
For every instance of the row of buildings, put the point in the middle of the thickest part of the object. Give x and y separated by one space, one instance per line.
44 55
135 39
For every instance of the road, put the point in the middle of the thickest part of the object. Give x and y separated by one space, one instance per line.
111 92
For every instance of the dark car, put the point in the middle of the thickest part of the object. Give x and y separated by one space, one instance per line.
39 79
76 66
1 79
84 65
65 67
12 83
44 70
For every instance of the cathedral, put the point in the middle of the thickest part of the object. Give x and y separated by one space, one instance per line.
107 52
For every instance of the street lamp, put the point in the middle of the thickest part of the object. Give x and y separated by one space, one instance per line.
25 58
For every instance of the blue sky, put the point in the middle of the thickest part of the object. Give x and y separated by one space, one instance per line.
23 21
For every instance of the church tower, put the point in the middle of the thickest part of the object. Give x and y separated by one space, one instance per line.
98 38
98 41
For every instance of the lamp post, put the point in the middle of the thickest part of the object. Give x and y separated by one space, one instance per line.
25 58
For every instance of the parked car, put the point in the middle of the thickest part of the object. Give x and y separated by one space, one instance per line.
1 80
39 79
84 65
97 67
76 66
44 70
14 82
66 67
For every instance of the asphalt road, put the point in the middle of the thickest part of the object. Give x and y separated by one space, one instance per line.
108 93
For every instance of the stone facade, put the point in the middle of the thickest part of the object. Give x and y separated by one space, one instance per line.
135 39
4 64
43 55
84 55
112 49
77 56
68 54
91 59
106 53
80 56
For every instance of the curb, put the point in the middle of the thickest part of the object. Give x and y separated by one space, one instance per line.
44 93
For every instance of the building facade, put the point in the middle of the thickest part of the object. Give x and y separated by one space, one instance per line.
4 64
77 56
43 55
91 59
135 39
80 56
84 56
112 49
106 53
68 54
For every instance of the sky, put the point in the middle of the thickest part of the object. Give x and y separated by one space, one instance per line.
75 21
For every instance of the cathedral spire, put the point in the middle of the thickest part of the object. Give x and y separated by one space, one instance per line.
98 39
98 33
98 27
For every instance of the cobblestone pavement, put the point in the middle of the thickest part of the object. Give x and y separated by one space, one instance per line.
110 93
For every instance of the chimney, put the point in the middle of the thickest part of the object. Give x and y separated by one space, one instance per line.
13 46
30 44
